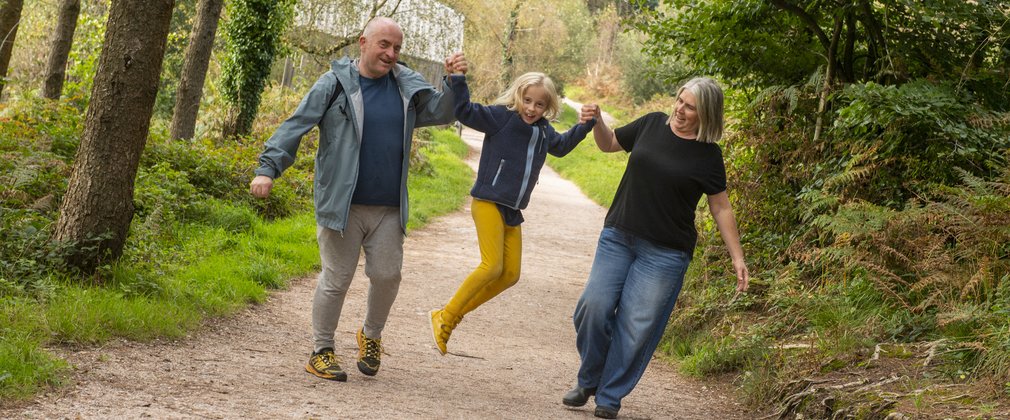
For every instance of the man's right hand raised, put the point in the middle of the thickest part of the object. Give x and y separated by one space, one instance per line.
456 63
260 186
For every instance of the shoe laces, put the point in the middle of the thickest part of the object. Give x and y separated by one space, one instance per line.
327 359
373 348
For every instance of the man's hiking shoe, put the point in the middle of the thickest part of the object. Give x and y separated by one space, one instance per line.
369 354
324 365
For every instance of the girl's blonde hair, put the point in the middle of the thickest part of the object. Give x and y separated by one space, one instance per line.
513 96
708 95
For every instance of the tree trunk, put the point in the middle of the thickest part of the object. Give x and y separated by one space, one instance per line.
829 78
809 20
96 212
508 45
63 38
194 69
10 17
288 76
848 62
877 47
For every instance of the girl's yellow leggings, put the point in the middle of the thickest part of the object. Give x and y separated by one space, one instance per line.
501 250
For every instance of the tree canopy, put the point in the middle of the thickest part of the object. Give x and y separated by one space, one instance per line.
759 43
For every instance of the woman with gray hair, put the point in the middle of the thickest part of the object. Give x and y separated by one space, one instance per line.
648 239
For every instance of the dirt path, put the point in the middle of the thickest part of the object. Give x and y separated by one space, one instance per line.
512 358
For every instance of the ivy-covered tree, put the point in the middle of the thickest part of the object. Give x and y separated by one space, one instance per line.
253 33
508 44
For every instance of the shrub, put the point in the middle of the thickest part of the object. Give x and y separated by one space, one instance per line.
891 139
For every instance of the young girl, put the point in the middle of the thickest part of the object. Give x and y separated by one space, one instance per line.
517 138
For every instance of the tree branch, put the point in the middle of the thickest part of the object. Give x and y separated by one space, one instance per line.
806 18
848 51
344 41
877 46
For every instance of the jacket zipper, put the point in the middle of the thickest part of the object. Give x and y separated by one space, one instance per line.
530 151
497 173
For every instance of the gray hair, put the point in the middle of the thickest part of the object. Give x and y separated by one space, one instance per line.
708 95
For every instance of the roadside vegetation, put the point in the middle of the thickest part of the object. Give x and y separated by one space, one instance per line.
876 228
867 154
199 245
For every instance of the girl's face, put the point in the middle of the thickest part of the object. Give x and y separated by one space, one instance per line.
685 116
534 104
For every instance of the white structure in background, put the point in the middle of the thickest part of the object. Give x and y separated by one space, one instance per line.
431 30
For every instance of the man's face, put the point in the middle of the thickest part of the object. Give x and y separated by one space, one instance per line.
380 50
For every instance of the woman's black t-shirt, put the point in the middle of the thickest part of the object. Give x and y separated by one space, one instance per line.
665 177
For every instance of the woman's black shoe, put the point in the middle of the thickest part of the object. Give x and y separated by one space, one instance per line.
605 413
578 396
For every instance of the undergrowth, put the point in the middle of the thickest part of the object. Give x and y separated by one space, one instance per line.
199 245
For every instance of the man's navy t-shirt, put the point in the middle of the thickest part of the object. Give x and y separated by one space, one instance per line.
381 158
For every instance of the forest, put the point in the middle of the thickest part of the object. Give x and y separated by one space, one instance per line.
866 154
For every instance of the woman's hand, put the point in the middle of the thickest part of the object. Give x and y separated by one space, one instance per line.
742 275
722 213
602 134
590 111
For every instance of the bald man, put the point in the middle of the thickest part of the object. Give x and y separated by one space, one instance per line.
366 110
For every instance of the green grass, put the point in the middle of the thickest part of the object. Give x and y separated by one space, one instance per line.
25 368
83 315
443 186
213 273
217 264
596 173
727 354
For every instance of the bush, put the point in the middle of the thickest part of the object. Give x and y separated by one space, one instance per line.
161 189
217 213
889 140
214 170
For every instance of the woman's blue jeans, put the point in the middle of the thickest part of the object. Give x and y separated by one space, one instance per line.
624 310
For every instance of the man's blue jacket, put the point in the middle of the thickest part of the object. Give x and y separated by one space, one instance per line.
340 120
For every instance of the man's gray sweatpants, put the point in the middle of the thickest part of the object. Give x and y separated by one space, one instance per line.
376 229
